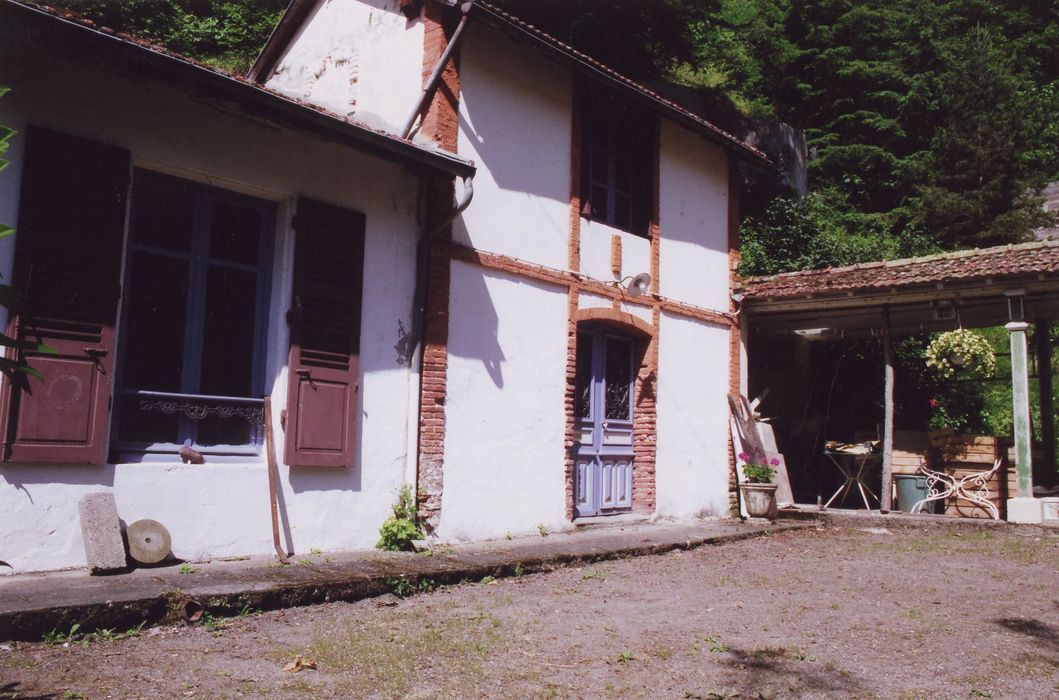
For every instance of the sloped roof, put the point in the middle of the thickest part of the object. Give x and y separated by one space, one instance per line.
67 31
1027 259
298 11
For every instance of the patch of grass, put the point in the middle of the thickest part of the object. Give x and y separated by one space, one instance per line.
388 654
715 645
488 579
314 550
976 693
625 657
518 569
73 695
187 569
591 574
543 529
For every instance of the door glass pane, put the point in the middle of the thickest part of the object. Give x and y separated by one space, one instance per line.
583 377
235 232
617 378
228 332
154 340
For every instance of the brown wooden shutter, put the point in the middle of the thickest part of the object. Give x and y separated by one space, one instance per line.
325 336
68 245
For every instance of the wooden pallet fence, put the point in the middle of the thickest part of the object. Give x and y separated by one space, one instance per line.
965 455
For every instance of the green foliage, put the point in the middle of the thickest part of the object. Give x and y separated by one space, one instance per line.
758 473
821 230
404 586
227 35
57 637
187 569
400 529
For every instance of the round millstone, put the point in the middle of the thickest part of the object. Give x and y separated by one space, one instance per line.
149 541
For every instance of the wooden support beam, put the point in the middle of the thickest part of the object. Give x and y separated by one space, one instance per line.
885 498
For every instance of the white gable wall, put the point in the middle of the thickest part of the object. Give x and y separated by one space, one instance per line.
220 509
693 216
515 121
359 58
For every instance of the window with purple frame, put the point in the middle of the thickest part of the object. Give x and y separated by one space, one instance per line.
191 352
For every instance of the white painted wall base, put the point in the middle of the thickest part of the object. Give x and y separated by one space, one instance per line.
1029 511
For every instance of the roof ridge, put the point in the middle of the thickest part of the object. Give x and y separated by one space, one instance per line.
915 260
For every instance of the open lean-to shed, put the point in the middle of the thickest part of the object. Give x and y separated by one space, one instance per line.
1010 286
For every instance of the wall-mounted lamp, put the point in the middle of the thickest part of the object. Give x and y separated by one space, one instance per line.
1016 305
638 285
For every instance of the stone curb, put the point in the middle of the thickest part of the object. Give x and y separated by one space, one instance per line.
259 589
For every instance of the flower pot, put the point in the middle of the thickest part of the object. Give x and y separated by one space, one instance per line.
760 500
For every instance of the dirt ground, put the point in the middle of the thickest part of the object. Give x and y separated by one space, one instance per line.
865 612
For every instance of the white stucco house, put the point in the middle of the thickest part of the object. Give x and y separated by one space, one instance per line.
453 252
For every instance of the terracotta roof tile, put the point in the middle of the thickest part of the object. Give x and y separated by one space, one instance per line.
964 265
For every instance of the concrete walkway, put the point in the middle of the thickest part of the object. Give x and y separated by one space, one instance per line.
33 604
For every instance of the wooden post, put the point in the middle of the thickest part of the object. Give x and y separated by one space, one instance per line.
1046 471
885 498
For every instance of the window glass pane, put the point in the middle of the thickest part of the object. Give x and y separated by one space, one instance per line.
599 201
154 335
622 216
228 332
142 421
583 377
235 232
163 214
623 174
215 430
600 164
617 375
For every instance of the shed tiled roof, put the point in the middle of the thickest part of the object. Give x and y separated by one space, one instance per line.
966 265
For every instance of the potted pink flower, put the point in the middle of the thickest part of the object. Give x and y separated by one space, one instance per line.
758 490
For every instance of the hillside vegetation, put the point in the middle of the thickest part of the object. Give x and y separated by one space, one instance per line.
929 125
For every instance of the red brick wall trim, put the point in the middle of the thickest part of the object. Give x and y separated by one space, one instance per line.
440 123
734 337
632 325
565 278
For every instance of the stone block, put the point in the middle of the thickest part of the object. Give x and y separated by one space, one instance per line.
101 531
1025 510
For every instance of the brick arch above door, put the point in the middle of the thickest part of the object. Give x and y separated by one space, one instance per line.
621 321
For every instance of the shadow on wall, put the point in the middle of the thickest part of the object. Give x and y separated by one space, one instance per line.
306 479
478 325
19 475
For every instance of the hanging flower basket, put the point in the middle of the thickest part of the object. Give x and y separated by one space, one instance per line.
961 353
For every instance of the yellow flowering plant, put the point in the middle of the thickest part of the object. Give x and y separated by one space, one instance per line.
960 353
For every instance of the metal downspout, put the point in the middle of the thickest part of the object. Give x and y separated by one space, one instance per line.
418 330
432 82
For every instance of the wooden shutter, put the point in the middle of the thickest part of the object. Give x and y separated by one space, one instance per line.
325 336
67 265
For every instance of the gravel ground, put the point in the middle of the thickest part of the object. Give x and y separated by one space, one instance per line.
933 612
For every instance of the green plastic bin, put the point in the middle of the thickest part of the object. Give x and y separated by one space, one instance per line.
911 489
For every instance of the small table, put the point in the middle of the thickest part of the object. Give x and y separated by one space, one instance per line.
854 461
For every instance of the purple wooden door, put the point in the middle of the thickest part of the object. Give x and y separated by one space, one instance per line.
603 409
